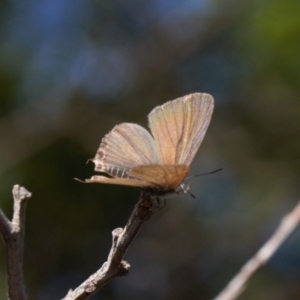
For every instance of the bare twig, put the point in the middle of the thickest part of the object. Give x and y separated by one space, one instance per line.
13 237
115 266
237 284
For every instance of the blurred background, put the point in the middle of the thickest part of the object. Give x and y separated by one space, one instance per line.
71 70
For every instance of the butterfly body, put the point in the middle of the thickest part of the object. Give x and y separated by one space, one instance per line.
159 162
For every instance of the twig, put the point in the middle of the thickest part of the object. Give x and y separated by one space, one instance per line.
237 284
115 266
13 237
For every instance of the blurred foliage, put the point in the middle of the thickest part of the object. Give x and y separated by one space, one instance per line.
70 71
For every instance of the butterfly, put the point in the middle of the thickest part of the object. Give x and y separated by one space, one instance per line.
159 162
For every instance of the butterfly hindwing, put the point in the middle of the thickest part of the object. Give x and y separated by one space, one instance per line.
120 181
166 177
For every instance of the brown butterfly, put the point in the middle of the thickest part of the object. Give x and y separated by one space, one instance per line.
159 162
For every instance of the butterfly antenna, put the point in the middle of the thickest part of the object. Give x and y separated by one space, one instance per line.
192 195
212 172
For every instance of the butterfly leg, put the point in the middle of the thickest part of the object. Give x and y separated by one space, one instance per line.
165 201
155 203
158 205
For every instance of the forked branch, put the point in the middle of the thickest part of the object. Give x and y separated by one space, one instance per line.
12 233
115 266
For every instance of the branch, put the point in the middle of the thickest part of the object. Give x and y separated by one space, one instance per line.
13 237
115 266
237 284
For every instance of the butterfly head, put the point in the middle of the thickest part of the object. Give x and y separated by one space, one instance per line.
182 189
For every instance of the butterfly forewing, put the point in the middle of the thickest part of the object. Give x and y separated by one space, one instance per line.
179 127
199 108
167 124
126 146
167 177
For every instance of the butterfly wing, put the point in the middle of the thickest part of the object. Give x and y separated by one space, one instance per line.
179 127
164 177
127 145
119 181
